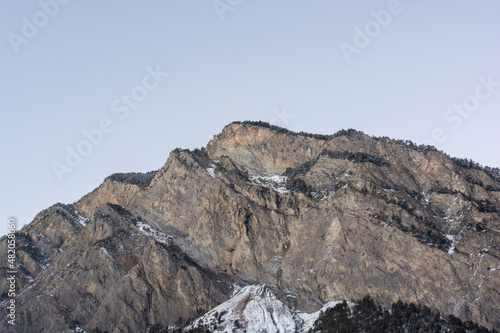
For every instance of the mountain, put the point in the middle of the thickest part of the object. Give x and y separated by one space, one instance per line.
314 218
256 308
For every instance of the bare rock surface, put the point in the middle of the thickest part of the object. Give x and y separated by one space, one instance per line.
322 218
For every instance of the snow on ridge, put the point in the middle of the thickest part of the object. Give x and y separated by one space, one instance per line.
255 308
276 182
83 220
148 230
310 318
211 170
107 253
236 289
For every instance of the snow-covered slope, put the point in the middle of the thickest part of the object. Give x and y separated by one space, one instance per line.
255 308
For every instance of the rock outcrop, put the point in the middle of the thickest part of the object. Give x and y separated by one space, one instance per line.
318 217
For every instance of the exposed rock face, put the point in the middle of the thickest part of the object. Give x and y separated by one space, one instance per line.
320 217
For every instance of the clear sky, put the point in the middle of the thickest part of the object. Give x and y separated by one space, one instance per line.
418 70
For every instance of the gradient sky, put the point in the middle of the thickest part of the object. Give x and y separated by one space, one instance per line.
275 61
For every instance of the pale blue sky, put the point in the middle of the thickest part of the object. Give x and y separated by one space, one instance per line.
264 58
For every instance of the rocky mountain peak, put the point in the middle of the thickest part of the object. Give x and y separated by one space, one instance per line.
264 148
318 217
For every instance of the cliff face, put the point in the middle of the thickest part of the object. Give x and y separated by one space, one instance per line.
319 217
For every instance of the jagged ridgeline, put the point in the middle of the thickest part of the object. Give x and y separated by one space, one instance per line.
265 229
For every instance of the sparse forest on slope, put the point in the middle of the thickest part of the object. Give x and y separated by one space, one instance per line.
365 317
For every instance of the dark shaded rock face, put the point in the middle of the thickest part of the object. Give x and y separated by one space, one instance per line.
320 217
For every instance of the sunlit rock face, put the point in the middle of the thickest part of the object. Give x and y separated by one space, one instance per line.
321 218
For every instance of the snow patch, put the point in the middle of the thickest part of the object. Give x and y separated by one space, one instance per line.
83 220
211 170
327 194
148 230
255 308
276 182
267 314
236 289
453 240
107 253
425 197
322 195
308 319
78 329
478 266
